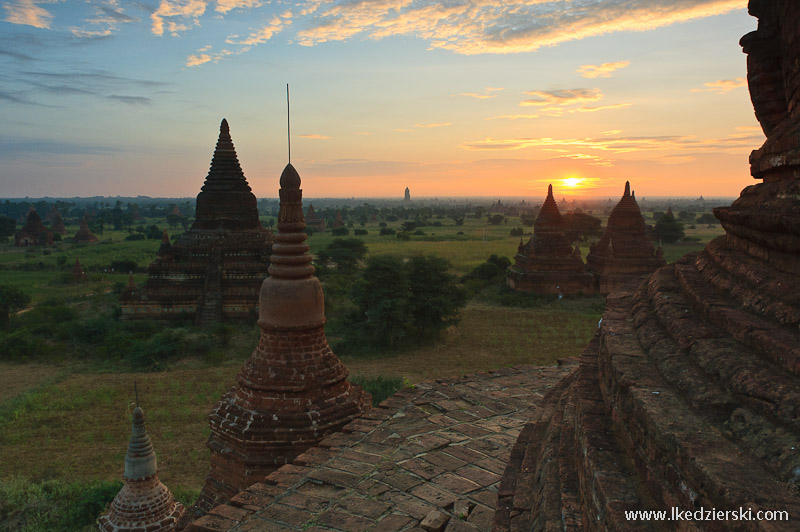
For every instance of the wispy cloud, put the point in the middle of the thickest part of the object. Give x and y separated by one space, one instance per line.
130 100
562 97
512 117
178 15
223 6
496 26
28 13
723 85
264 34
619 144
105 20
601 71
314 136
17 55
437 124
485 95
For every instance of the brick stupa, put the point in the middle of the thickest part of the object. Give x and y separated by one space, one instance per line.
143 503
33 233
78 275
689 396
84 234
548 264
293 390
623 252
58 224
213 272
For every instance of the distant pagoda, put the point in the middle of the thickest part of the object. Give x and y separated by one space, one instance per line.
293 390
143 503
314 221
84 234
407 196
548 264
624 252
213 272
33 233
58 224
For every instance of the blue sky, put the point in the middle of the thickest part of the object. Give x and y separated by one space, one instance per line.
473 97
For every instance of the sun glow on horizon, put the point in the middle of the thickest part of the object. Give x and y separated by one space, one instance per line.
572 182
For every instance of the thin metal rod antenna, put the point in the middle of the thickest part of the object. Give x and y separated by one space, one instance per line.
136 393
288 124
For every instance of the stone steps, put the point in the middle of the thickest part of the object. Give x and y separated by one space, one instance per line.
669 415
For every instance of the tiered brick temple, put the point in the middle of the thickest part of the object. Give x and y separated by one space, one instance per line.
548 264
623 252
314 221
84 234
293 390
213 272
143 503
33 233
689 397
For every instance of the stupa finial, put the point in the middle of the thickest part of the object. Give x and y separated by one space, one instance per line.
627 189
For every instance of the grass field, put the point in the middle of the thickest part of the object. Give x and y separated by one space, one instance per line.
67 418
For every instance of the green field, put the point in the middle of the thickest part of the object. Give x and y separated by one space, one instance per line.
65 409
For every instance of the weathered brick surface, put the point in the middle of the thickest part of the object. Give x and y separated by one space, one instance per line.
403 479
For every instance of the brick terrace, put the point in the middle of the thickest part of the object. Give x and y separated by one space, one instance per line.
429 458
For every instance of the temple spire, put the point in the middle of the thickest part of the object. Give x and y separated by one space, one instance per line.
627 189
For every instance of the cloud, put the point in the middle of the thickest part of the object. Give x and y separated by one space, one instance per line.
512 117
594 160
28 13
620 144
198 59
223 6
438 124
262 35
723 85
601 71
482 96
187 11
130 100
13 147
497 26
562 97
105 21
17 55
314 137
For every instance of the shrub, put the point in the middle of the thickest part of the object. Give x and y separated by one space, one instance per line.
340 231
386 231
379 387
360 232
135 236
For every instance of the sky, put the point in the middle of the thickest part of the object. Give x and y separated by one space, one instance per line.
447 97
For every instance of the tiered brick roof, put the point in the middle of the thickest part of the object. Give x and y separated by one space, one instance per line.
143 503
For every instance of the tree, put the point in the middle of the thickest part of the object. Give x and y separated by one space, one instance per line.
435 299
7 226
344 253
381 297
707 218
668 229
580 226
496 219
11 299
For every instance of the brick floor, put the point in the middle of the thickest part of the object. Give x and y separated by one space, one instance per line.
428 452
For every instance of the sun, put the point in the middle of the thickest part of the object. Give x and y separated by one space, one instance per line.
572 182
